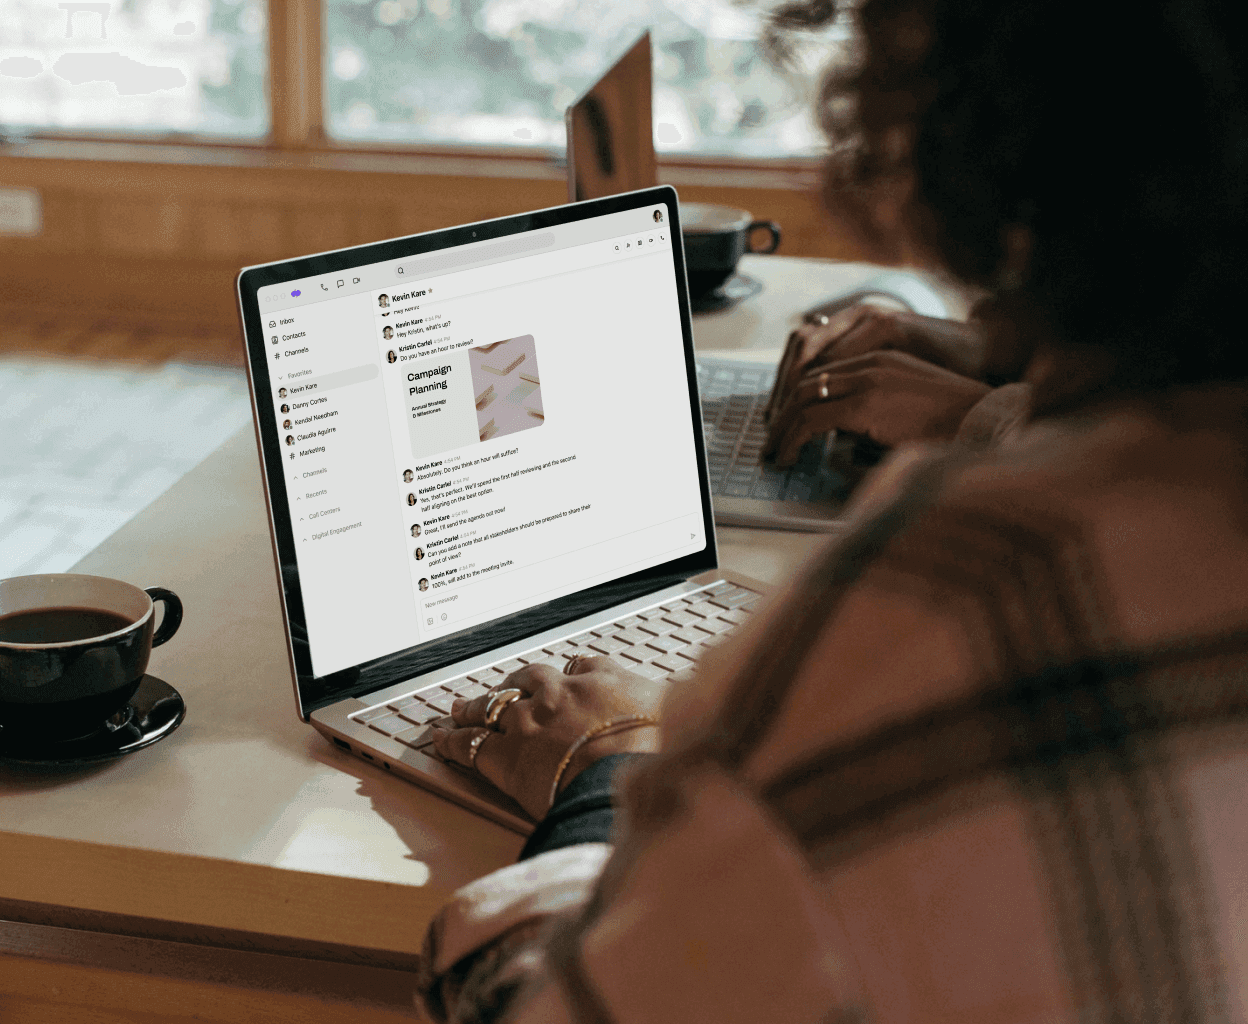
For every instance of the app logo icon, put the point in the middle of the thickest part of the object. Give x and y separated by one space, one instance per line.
295 294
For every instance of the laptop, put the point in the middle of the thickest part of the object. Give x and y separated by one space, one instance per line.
611 149
482 448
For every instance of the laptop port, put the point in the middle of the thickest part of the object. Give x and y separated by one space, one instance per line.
365 753
342 743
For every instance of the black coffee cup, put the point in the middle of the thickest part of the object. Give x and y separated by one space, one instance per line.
716 237
73 649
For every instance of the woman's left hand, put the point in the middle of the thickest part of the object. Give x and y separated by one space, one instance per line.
521 754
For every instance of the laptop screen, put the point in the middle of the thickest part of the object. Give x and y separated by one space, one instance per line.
473 429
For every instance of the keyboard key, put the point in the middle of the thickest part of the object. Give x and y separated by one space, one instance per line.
484 675
399 703
714 640
640 652
674 606
390 724
684 675
658 627
632 636
623 662
377 712
606 629
607 645
704 609
557 647
717 625
735 598
581 639
416 737
671 662
689 635
455 685
628 622
509 666
649 669
681 618
421 714
664 644
722 587
735 615
442 703
529 657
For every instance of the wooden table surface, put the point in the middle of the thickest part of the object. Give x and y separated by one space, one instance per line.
245 829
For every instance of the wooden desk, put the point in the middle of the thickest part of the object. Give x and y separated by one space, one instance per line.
244 857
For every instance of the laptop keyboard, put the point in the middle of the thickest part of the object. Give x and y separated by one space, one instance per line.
661 642
734 397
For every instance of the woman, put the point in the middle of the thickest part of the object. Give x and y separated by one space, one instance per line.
987 758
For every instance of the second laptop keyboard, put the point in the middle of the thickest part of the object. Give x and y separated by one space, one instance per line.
734 398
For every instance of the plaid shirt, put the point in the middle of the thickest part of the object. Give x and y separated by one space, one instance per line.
985 760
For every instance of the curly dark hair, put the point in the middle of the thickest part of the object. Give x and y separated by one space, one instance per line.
1116 135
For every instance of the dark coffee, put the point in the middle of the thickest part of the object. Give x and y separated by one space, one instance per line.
58 625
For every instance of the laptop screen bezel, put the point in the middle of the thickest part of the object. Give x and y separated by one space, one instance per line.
314 692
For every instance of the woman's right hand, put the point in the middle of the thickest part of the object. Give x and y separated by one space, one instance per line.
866 328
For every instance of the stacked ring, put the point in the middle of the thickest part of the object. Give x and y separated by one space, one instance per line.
498 703
823 386
474 746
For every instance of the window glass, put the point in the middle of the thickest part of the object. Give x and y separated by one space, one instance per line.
502 72
146 65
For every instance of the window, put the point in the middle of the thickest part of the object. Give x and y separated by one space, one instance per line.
502 72
195 66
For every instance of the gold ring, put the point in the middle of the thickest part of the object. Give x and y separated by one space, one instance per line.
498 703
474 746
823 386
572 663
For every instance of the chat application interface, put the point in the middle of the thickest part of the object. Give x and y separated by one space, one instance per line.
464 444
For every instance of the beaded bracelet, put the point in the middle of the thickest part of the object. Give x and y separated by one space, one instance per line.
611 725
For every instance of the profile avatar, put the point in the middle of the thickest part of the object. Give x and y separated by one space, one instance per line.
419 554
391 357
290 438
285 407
285 424
383 301
387 332
411 499
658 216
407 476
424 583
415 529
281 392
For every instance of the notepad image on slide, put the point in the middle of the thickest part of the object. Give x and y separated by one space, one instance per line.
506 386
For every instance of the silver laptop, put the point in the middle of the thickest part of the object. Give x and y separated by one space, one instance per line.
482 448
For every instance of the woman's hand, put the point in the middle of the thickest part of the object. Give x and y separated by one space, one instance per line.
865 328
889 397
521 754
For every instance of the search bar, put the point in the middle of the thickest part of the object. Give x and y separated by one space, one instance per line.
455 258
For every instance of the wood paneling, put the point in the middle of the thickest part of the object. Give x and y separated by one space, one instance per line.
158 242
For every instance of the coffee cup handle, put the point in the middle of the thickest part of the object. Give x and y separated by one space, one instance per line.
173 613
771 226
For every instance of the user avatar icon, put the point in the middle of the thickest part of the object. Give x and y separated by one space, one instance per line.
290 438
407 476
415 529
285 424
285 407
411 499
387 332
281 392
419 554
391 357
658 216
424 583
383 301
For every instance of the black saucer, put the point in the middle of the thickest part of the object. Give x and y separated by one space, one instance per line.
732 291
155 710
